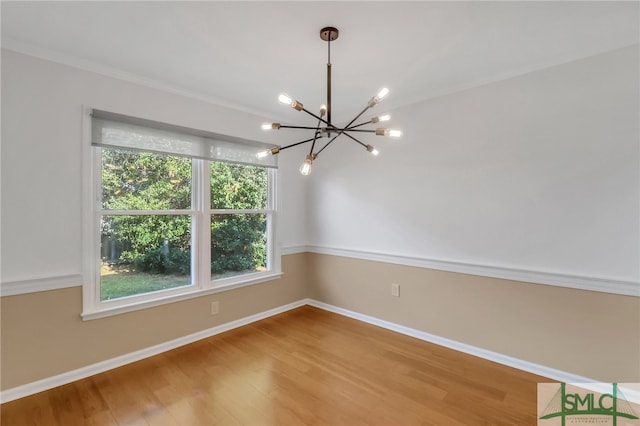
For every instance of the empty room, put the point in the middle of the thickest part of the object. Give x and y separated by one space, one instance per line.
328 213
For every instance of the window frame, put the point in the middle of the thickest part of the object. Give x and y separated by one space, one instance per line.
201 213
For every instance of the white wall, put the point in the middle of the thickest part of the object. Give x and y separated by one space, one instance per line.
538 172
42 165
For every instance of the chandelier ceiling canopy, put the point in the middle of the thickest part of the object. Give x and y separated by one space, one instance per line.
325 129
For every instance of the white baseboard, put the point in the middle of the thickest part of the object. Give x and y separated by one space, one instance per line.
100 367
527 366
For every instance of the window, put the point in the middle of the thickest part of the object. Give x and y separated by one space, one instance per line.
174 213
145 222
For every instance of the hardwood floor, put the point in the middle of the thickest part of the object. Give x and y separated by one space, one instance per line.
306 366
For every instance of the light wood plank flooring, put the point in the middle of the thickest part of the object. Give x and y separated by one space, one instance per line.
303 367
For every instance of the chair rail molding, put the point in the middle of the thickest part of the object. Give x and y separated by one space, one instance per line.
579 282
33 285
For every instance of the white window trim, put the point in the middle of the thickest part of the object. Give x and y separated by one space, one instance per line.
94 308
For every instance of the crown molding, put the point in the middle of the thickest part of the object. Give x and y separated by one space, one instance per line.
29 49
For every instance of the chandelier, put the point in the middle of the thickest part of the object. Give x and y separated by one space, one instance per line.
325 129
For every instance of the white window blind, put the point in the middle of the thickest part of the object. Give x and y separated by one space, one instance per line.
121 131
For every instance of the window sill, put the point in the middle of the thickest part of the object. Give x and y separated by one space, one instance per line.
103 312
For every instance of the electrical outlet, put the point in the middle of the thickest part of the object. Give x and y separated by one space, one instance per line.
214 307
395 290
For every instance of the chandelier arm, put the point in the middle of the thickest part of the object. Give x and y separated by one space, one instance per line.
313 144
301 127
360 125
319 118
296 144
315 137
342 131
357 116
349 136
328 143
351 129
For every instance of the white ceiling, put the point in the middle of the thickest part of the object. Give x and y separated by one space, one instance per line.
243 54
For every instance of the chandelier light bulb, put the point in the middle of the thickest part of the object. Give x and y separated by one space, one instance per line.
323 110
305 169
372 150
382 93
381 131
285 99
291 102
377 98
385 117
270 126
266 153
